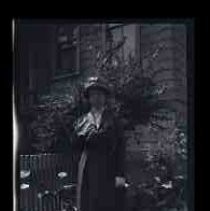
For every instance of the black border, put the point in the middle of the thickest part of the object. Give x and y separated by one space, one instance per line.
199 55
190 112
6 114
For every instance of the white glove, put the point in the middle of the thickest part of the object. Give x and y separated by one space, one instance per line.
119 181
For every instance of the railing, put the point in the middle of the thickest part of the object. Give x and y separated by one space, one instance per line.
41 178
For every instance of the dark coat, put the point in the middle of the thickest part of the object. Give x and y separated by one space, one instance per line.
100 161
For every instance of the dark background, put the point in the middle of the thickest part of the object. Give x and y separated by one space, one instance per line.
201 38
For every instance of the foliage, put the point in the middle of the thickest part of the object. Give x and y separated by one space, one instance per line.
164 165
134 91
53 117
135 99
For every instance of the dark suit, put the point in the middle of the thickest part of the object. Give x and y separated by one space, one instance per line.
100 161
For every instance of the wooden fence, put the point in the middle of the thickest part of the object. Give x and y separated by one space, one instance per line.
39 176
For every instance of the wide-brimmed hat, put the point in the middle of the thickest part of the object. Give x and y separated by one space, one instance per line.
96 83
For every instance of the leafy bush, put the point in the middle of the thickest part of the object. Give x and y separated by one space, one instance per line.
53 118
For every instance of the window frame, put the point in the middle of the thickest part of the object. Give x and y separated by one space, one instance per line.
137 49
120 27
58 73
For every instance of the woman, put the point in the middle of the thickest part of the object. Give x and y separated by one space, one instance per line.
98 138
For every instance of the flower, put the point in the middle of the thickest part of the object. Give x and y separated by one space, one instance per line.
182 135
98 55
24 173
167 185
24 186
39 195
157 179
62 174
179 177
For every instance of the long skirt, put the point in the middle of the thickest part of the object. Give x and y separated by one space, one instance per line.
96 191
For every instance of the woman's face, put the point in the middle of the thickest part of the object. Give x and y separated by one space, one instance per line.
97 98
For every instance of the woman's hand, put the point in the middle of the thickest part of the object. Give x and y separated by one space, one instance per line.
119 181
91 132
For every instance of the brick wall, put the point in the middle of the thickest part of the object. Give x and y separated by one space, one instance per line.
90 41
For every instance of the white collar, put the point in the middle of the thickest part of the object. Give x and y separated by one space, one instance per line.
95 117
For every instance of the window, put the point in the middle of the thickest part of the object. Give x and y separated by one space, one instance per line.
117 33
67 41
